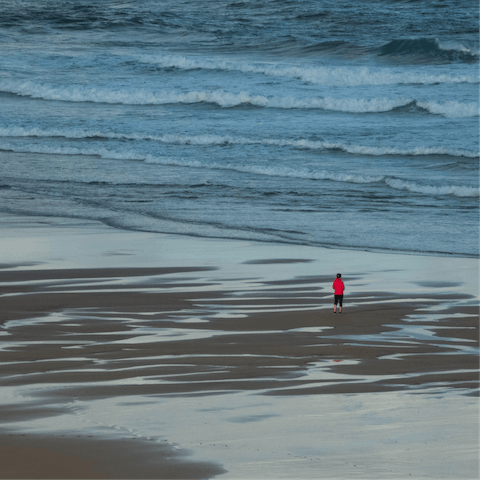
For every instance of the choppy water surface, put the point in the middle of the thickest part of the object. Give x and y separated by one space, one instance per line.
313 122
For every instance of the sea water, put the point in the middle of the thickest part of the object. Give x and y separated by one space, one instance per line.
314 122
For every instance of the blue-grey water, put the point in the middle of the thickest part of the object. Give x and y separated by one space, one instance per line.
343 124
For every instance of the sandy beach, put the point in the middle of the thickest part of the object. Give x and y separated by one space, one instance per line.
137 355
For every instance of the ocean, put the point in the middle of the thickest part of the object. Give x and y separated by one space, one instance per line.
350 125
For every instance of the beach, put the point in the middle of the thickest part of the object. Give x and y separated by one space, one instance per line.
139 355
181 183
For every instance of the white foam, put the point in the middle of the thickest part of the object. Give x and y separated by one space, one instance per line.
451 109
272 171
341 76
458 191
457 47
227 99
230 140
349 105
417 151
276 171
60 150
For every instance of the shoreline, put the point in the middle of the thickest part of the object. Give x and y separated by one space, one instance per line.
104 225
92 316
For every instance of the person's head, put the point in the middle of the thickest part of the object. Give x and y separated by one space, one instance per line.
339 275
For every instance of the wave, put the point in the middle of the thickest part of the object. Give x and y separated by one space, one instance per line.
455 190
133 155
96 152
69 16
457 47
272 171
431 48
229 100
335 77
450 109
206 140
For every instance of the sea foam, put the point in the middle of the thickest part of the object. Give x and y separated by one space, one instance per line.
339 76
229 100
175 139
268 170
451 109
455 190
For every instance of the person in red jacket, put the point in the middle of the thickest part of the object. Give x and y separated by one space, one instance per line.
338 287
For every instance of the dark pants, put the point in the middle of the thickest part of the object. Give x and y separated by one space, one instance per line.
339 298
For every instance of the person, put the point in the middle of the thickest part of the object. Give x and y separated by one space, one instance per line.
338 287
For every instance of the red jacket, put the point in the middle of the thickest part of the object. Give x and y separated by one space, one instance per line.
338 286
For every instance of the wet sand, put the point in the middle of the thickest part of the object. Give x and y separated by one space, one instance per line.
98 324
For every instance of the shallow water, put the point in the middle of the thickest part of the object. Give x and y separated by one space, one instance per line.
377 435
268 421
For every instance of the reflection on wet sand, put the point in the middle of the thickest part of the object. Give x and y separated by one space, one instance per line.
240 368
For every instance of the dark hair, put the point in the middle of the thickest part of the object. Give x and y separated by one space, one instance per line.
339 275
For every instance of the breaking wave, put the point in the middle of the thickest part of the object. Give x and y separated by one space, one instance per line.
339 76
450 109
457 191
428 47
229 100
274 170
206 140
